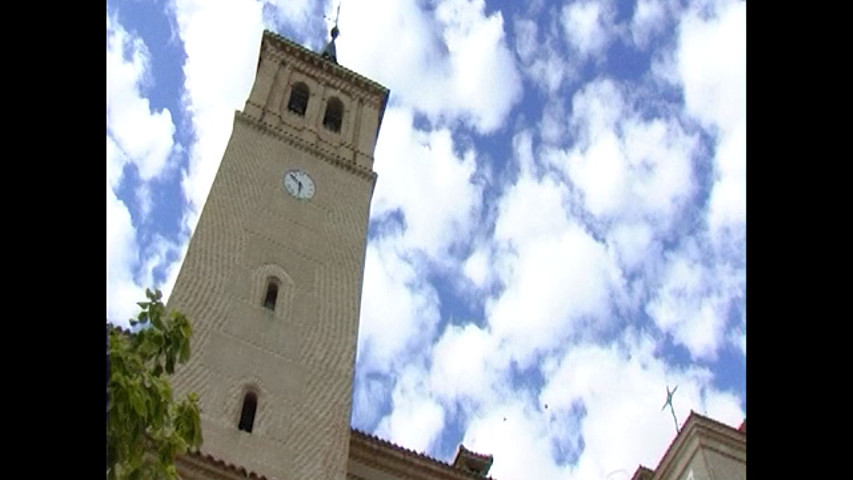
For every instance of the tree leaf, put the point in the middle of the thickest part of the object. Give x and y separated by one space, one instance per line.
146 429
138 403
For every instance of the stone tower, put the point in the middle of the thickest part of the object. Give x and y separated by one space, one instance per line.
273 275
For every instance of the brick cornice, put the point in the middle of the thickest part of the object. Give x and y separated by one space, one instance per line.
206 466
394 459
312 148
331 72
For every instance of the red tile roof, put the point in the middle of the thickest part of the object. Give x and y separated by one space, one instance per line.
471 452
374 440
643 473
227 467
241 471
472 461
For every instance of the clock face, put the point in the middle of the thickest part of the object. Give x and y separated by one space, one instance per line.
298 184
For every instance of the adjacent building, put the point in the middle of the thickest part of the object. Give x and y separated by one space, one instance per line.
704 449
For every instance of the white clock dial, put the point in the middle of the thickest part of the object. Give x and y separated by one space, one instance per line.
298 184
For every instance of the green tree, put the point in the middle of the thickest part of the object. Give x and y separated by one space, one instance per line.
146 428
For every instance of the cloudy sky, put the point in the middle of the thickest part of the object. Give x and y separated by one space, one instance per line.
557 233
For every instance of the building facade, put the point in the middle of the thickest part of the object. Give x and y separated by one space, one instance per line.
704 449
272 281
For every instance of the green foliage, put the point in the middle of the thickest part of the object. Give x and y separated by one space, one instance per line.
146 428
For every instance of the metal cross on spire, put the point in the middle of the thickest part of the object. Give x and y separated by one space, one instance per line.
338 13
669 402
330 51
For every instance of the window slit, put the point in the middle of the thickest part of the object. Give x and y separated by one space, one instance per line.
247 415
272 296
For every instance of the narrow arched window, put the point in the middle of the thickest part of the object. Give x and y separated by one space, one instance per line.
272 295
247 415
334 114
298 102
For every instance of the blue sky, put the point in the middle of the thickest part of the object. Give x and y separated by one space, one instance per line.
558 230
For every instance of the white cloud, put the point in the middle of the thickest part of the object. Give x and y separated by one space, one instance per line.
562 279
294 12
173 269
222 43
144 200
369 393
464 364
122 291
635 245
553 127
416 419
485 81
602 175
476 267
605 400
664 66
398 310
650 17
596 109
712 65
135 136
627 167
727 215
555 274
659 155
693 302
452 66
526 43
144 137
542 62
737 338
161 252
589 26
558 284
420 173
522 145
517 224
396 51
116 161
636 174
516 435
693 299
622 389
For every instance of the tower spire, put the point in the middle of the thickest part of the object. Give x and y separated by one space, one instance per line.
330 51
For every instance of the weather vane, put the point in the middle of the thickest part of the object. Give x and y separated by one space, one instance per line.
338 13
669 402
330 51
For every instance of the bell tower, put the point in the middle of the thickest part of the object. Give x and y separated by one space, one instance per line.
273 274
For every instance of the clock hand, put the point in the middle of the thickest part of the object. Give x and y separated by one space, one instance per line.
300 186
